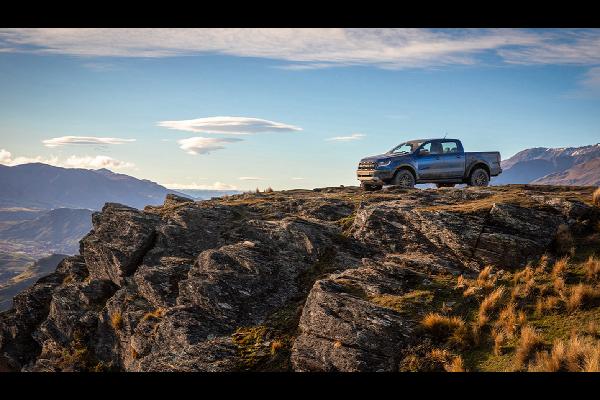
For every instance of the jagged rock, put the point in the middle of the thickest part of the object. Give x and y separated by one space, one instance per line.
120 238
170 287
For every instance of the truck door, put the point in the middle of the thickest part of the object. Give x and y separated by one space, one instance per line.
427 162
452 160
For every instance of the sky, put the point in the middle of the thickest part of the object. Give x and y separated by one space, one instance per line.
286 108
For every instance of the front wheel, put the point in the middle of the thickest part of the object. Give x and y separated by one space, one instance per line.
479 177
404 178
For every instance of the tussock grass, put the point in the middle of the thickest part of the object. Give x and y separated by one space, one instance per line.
529 341
489 304
116 320
456 365
156 314
579 295
578 354
441 326
592 268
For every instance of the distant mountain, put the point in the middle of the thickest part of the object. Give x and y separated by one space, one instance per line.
32 273
56 231
43 186
553 166
203 194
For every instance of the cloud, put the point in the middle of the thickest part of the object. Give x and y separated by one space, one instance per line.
354 136
203 145
229 125
250 178
591 79
86 162
318 47
83 140
195 186
296 178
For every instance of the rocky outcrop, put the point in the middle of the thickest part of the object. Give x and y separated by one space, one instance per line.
302 280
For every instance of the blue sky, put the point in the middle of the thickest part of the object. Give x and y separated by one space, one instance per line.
256 108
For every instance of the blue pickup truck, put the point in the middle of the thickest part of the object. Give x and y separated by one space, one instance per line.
440 161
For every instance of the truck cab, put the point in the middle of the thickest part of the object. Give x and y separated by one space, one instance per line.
440 161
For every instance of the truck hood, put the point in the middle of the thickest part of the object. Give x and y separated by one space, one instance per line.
382 157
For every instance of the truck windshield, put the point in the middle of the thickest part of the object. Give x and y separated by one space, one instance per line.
405 148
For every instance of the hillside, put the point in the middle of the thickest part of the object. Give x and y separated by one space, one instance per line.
559 166
331 279
36 270
41 186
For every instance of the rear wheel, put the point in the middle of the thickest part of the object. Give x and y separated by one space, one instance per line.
404 178
369 188
479 177
441 185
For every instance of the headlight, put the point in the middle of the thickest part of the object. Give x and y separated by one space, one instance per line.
384 163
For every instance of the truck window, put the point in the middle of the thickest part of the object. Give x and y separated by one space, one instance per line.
450 147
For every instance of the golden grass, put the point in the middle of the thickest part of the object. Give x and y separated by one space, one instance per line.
276 346
578 354
592 268
560 267
456 365
529 341
579 295
156 314
596 197
116 320
546 304
488 305
484 277
441 326
506 324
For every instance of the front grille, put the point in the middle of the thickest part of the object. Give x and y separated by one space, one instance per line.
366 165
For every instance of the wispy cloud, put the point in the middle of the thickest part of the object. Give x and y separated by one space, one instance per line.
354 136
250 178
196 186
319 48
203 145
297 178
86 162
228 125
84 140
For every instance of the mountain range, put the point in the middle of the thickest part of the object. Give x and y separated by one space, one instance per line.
576 166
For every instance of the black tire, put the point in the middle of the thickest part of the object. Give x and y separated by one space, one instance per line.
369 188
441 185
479 177
404 178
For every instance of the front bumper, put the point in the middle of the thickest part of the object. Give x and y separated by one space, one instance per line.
374 176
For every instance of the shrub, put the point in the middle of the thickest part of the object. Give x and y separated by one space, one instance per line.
269 190
528 342
116 320
441 326
578 354
592 268
596 197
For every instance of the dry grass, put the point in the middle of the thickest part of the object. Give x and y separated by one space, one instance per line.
579 295
456 365
596 197
507 323
560 288
529 341
488 305
578 354
276 346
116 320
546 304
564 244
470 291
592 268
560 267
542 264
441 326
484 279
461 282
156 314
